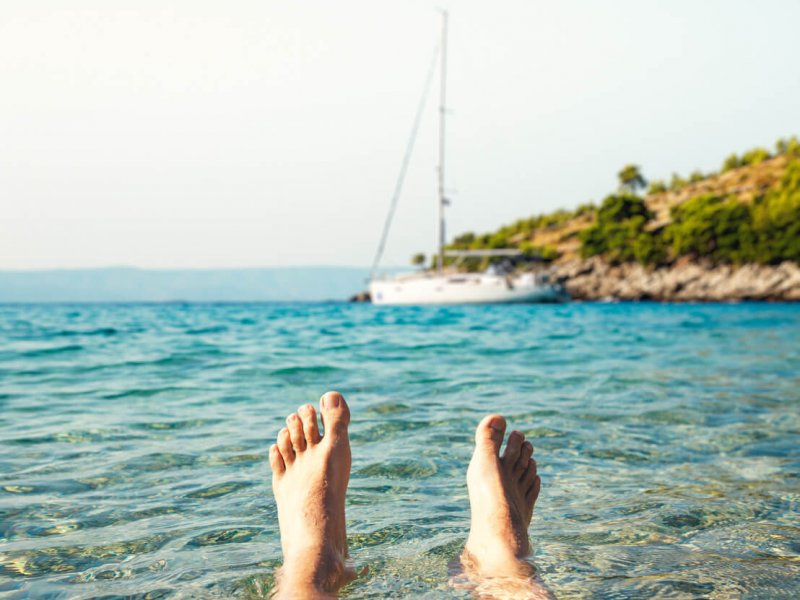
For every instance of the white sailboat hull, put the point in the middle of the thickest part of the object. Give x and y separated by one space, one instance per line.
466 288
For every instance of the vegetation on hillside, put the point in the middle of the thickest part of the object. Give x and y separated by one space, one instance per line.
721 226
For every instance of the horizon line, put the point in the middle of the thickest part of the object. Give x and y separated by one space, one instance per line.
139 268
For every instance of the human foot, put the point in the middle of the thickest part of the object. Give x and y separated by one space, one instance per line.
502 492
309 480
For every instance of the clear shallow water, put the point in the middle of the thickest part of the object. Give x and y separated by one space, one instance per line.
133 442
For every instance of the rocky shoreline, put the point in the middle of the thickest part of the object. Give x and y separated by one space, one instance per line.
684 281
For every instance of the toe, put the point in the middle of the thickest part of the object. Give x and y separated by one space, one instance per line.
296 433
490 432
276 461
524 458
335 415
285 446
529 476
513 447
533 492
309 418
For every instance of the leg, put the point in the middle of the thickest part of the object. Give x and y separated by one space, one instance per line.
310 474
502 492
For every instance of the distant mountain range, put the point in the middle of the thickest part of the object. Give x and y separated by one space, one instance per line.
125 284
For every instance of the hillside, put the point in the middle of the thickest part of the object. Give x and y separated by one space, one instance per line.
740 224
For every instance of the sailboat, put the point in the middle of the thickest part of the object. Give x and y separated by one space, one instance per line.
498 284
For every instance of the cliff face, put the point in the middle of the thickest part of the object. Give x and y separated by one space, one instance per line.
684 281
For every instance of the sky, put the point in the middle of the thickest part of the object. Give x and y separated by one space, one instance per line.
195 134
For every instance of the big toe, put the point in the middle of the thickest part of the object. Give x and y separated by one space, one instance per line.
489 434
335 414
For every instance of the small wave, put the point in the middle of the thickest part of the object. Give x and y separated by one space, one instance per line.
224 536
52 351
160 461
406 469
205 330
71 437
172 425
389 408
310 370
142 392
215 491
101 331
61 487
69 559
385 535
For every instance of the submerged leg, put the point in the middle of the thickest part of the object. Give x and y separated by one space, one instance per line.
502 493
310 474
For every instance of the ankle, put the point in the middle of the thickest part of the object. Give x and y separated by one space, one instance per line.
492 558
313 570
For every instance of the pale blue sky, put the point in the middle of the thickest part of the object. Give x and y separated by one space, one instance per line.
260 133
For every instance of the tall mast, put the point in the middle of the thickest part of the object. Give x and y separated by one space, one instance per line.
442 111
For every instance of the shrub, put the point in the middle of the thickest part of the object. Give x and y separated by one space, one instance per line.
616 233
657 186
776 220
755 156
677 182
696 176
732 162
465 239
649 248
620 207
713 227
545 253
793 147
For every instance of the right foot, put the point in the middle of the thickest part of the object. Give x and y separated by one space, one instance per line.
309 480
502 492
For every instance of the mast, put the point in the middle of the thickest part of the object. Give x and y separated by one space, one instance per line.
442 109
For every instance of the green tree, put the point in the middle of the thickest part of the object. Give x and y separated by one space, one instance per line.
418 259
696 176
676 182
619 233
732 162
657 186
631 179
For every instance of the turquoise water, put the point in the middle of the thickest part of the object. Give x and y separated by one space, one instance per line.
133 442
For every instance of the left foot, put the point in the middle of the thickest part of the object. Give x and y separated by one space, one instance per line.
310 474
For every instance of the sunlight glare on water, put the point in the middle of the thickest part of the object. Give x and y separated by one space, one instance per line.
133 442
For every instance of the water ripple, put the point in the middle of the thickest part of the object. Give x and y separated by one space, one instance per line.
133 443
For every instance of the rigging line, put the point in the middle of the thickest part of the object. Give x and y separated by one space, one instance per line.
398 187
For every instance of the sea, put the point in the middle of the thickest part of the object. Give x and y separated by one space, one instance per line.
134 437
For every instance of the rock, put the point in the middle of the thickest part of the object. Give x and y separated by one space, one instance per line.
684 281
361 297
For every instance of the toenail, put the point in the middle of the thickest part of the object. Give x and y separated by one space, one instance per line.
330 401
